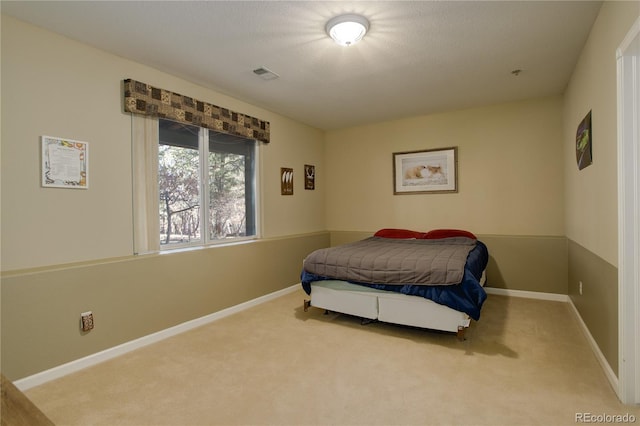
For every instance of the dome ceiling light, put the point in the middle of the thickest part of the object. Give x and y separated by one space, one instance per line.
347 30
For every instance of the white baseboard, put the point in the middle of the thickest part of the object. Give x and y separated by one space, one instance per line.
554 297
608 371
107 354
611 376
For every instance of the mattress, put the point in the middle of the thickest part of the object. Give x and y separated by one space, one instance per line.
467 297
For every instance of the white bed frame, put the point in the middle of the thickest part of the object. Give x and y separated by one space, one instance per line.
386 306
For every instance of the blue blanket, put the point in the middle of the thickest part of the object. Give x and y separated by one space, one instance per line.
467 297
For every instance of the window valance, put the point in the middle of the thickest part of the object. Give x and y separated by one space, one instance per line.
141 98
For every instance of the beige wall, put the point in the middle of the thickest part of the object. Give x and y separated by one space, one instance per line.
591 204
55 86
67 251
509 167
598 304
519 189
510 170
135 296
526 263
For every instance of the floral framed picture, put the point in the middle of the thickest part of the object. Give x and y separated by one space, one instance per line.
425 172
65 163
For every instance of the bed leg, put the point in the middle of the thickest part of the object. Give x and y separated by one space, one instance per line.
306 304
326 312
460 333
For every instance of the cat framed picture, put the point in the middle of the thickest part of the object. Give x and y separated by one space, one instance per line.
425 172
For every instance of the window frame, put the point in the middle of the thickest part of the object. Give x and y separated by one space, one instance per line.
203 173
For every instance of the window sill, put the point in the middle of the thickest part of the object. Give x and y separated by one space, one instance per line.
234 242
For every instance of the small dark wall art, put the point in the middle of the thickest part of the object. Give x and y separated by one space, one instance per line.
583 143
309 176
286 181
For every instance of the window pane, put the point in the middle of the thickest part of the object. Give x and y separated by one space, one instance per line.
179 183
206 190
226 199
231 210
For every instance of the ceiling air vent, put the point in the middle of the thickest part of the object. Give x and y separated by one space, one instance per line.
265 73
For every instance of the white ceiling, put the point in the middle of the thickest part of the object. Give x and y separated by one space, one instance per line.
419 57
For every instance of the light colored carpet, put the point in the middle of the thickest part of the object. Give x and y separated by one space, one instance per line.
525 362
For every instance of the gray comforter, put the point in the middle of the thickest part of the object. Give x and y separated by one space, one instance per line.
377 260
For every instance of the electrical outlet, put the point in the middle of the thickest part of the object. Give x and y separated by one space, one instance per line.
86 321
580 287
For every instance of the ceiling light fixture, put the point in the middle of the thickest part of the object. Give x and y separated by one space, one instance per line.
347 30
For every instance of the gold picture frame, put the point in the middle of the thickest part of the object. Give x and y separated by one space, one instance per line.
425 172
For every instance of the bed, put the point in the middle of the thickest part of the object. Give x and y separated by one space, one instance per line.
430 280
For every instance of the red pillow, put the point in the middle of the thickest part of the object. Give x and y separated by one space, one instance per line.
399 233
448 233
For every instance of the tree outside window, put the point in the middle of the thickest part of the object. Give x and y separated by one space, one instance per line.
206 185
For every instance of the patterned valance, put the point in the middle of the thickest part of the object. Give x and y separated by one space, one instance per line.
141 98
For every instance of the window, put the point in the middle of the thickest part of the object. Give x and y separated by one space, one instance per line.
207 185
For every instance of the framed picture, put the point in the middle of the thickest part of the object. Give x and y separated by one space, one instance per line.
65 163
286 181
424 172
583 143
309 177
